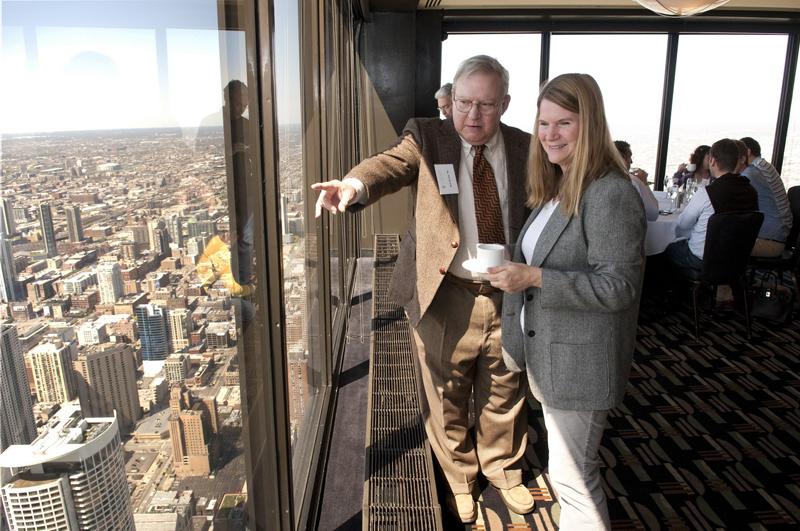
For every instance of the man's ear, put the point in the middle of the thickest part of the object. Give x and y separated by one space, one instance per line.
504 103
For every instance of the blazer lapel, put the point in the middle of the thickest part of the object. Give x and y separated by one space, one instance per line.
516 176
449 152
550 234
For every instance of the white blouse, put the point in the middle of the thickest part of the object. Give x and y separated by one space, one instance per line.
531 237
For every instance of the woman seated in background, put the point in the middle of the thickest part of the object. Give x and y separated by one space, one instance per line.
697 168
572 290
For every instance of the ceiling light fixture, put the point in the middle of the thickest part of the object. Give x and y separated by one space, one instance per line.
680 8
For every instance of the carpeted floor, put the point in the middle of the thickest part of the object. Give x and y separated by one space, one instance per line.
707 437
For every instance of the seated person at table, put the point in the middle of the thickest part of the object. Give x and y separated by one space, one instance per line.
697 168
639 179
728 193
742 163
772 202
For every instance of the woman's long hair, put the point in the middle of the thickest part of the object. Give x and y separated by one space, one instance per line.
595 153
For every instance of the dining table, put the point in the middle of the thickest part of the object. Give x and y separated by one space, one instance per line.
662 231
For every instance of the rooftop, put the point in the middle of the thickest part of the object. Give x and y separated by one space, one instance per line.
66 433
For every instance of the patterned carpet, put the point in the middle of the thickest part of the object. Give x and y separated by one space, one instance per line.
707 438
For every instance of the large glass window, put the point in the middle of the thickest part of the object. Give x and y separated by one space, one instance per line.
518 53
790 170
630 72
719 95
131 164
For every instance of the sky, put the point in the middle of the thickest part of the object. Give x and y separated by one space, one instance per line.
716 94
124 66
129 69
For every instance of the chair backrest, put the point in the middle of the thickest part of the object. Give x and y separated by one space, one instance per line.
729 240
794 204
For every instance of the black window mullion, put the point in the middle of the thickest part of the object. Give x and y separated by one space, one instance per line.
785 108
666 110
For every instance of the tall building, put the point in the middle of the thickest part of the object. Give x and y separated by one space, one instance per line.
109 282
175 228
158 236
51 362
74 225
7 216
176 368
16 409
190 432
10 289
106 375
153 331
180 326
48 232
72 477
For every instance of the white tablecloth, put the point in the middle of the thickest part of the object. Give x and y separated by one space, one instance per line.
660 233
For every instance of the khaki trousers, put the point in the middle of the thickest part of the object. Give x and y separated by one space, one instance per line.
767 248
458 347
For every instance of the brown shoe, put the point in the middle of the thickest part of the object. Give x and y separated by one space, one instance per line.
463 506
518 499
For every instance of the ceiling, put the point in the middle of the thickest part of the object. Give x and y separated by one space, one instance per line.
739 5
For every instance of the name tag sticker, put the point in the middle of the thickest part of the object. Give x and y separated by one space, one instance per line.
446 175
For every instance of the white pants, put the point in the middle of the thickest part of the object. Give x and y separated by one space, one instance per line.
573 439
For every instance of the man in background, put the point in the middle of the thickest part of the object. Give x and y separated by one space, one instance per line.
728 193
444 100
772 202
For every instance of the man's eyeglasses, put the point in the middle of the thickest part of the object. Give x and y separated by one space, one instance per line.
445 108
483 107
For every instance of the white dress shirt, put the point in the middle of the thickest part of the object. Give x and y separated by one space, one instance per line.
648 199
495 154
694 221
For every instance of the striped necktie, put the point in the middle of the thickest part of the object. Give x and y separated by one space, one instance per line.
487 202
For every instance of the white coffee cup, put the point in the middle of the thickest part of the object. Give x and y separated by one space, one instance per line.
691 167
491 254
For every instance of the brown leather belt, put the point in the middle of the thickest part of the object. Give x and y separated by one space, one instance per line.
473 286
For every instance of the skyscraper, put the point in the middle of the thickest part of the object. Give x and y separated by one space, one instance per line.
74 225
10 289
180 326
109 282
175 228
153 331
51 361
7 216
71 477
106 376
48 232
190 433
16 410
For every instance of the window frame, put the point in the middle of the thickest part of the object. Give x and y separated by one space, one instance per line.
637 20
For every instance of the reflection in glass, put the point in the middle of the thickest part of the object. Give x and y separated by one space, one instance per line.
630 72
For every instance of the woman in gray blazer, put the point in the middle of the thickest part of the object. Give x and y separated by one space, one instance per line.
572 289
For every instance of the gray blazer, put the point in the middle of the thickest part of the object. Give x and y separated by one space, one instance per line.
580 326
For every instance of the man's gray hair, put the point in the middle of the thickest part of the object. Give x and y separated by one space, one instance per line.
444 91
483 63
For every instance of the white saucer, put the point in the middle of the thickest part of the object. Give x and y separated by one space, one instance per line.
474 266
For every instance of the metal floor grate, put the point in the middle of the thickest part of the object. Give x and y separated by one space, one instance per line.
400 490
